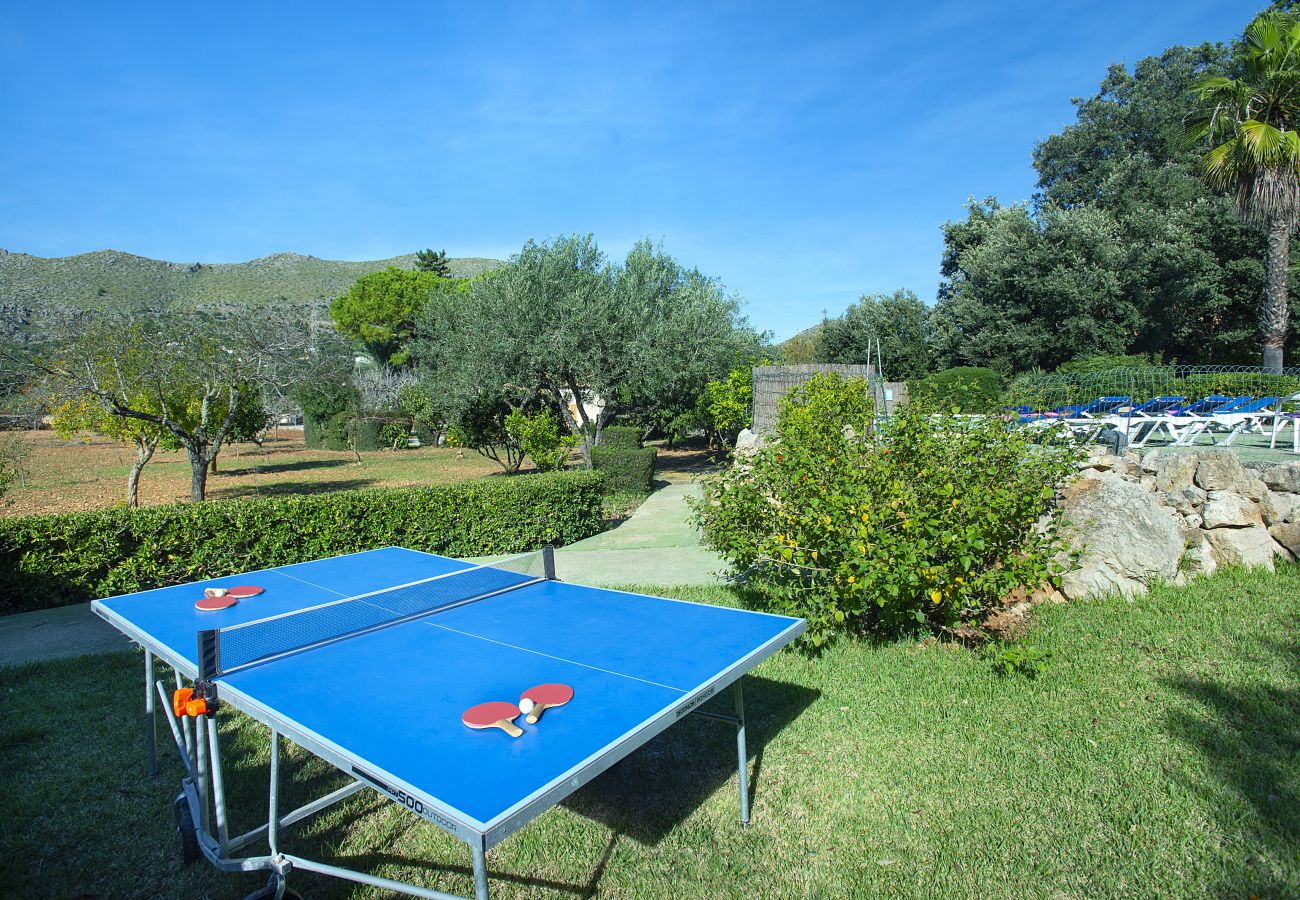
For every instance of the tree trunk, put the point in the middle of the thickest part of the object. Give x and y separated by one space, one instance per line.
1274 314
143 453
212 466
198 476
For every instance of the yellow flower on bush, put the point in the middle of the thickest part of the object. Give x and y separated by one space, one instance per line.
936 596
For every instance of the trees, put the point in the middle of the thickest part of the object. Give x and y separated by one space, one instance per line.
561 326
1125 231
381 308
428 261
899 320
1024 291
72 413
1250 122
198 380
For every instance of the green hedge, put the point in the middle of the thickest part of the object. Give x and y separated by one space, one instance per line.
339 431
54 560
626 437
625 471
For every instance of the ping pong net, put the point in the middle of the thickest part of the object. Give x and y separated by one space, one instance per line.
226 650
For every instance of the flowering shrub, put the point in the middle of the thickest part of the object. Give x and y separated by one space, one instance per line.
925 524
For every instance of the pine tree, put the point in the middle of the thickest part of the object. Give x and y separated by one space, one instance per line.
437 263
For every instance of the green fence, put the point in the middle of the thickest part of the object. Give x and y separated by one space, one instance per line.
1142 383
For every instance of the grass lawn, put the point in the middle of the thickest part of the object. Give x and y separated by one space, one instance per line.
64 476
1159 755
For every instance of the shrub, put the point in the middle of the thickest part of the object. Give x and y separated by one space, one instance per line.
727 406
625 471
328 434
966 389
928 524
626 437
73 557
539 437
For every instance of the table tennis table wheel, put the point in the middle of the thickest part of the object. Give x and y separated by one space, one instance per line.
185 825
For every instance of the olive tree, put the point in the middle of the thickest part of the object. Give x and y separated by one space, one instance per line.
561 326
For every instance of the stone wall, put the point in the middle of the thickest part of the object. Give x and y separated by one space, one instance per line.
1153 517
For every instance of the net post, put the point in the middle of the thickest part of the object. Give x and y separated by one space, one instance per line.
209 656
548 562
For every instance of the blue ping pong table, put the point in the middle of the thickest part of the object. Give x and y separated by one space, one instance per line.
368 660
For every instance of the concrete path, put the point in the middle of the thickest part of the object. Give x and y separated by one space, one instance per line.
655 546
55 634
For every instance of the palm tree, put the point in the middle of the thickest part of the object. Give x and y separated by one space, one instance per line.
1250 123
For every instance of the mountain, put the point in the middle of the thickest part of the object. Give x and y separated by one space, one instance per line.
804 347
110 278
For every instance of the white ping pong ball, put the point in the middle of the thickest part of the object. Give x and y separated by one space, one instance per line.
525 705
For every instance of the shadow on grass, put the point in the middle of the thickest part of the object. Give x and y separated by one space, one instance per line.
1249 737
301 465
284 488
654 789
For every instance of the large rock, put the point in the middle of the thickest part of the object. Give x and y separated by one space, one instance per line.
747 442
1288 535
1277 508
1226 509
1242 546
1219 470
1198 561
1129 540
1251 487
1175 472
1284 478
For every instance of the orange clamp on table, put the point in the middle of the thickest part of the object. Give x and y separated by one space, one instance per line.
186 703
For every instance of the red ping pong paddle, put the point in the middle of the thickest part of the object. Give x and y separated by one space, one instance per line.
538 699
244 591
210 604
496 714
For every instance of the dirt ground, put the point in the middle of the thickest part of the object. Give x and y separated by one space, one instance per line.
90 472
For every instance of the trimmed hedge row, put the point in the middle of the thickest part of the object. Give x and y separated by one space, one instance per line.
48 561
627 437
625 471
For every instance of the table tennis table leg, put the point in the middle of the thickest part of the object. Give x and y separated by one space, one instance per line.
480 873
150 731
743 757
218 787
201 769
273 814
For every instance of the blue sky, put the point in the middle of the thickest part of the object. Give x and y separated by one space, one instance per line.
804 153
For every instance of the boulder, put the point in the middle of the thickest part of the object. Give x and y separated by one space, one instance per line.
747 442
1251 546
1276 508
1250 486
1150 461
1103 461
1147 483
1173 473
1219 470
1288 535
1285 478
1176 501
1226 509
1198 561
1195 495
1128 540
